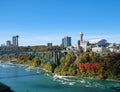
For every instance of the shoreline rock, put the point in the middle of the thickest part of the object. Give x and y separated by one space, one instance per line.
4 88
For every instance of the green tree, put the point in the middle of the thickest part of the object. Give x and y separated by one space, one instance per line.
81 60
62 60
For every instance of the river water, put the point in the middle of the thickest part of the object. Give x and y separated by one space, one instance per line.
28 79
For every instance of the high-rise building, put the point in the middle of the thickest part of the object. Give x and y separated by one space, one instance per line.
78 45
15 40
49 44
66 41
8 43
81 37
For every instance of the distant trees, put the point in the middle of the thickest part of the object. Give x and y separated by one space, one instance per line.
30 48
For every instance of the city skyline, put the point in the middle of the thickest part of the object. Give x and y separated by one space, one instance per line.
13 42
40 22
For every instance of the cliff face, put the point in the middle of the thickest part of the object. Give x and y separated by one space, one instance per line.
4 88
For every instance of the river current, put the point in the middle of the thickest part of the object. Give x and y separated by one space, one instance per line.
29 79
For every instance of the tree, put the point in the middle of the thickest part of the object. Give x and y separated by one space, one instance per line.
62 60
81 59
49 66
36 61
68 58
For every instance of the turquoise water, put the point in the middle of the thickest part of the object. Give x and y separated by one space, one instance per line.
28 79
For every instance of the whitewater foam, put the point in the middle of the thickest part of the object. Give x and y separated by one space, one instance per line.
29 68
6 66
82 81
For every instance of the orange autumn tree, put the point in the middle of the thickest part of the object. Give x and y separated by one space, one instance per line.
92 67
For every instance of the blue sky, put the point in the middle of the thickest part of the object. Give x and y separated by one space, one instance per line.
38 22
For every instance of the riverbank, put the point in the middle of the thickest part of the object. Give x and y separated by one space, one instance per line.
57 76
42 70
80 64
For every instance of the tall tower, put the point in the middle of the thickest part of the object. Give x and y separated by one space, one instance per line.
17 40
14 40
81 37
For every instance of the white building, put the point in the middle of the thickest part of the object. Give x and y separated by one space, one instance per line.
84 45
99 49
96 45
99 42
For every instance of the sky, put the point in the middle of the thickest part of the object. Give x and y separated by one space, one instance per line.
39 22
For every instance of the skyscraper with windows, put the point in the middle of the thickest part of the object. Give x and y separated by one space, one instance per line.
66 41
81 37
15 40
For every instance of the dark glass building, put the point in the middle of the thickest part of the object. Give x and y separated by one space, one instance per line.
15 40
66 41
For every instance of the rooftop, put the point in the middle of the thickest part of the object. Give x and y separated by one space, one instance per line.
96 41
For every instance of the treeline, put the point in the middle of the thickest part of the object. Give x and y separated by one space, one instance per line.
29 59
30 48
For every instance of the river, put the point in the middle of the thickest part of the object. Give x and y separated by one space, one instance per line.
28 79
